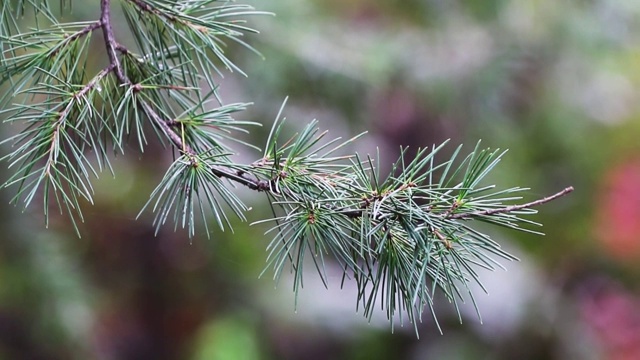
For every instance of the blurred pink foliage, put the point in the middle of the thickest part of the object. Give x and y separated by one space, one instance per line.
614 316
618 212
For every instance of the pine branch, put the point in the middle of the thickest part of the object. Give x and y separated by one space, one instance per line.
401 237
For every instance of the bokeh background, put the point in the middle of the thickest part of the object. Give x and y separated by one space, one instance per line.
556 82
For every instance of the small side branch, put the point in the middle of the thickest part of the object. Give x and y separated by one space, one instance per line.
85 89
93 82
512 208
71 38
84 31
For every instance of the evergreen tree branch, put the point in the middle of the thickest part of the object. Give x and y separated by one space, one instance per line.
400 237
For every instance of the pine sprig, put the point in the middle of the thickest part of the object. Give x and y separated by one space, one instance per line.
188 189
189 33
402 238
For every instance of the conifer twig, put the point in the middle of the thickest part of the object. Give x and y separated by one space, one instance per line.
511 208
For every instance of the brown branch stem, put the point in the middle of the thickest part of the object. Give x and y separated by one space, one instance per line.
511 208
85 89
110 40
113 47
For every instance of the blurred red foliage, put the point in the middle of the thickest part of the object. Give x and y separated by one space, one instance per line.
618 212
613 315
